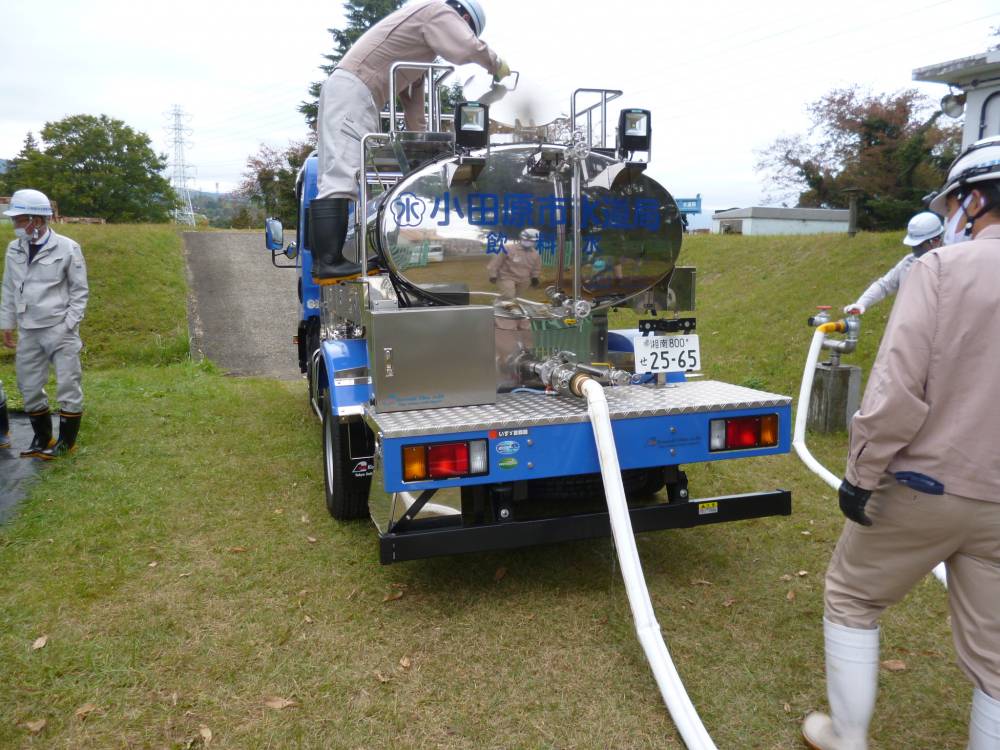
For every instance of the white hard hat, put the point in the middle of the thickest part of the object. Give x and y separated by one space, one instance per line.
29 203
475 11
980 162
922 227
529 234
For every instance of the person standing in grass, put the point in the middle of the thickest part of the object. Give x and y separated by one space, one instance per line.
923 233
922 483
43 297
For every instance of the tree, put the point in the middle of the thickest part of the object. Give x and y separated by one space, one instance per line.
96 166
7 180
361 15
890 146
269 181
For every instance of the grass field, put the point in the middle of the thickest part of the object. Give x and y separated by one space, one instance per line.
191 590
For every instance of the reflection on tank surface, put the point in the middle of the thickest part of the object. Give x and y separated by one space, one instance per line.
507 234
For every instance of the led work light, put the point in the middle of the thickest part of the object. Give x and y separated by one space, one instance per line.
635 132
472 124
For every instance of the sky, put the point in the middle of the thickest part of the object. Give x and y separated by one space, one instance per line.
723 79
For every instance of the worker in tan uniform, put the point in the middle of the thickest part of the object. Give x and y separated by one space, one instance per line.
513 268
358 89
923 474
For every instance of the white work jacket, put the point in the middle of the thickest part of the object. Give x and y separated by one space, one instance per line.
888 284
52 289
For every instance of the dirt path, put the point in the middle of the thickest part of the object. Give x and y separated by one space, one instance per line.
242 311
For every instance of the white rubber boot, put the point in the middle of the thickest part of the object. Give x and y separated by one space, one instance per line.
851 686
984 727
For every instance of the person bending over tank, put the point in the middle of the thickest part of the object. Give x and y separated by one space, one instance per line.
358 89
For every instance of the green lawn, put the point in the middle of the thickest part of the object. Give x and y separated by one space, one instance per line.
185 575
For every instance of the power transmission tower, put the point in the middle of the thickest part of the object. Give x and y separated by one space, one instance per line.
178 131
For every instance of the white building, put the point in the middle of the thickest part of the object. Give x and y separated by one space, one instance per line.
767 220
975 85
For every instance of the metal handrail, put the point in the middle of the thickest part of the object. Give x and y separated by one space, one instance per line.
429 69
607 95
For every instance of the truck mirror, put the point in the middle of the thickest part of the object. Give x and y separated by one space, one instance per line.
274 234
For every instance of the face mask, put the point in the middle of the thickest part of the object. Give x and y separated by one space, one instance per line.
21 233
954 230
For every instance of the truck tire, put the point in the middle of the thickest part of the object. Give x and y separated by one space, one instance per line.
346 494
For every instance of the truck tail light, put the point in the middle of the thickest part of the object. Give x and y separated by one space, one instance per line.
742 433
445 460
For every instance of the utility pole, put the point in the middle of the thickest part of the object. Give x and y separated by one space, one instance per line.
178 130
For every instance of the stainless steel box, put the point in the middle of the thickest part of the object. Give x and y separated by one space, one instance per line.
429 357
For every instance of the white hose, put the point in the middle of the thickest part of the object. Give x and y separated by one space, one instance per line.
799 434
679 705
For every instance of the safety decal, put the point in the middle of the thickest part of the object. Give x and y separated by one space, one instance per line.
705 509
362 468
508 447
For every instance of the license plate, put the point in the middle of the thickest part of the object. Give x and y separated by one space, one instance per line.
680 353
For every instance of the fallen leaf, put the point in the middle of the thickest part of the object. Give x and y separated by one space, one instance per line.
309 620
802 573
311 539
393 596
894 665
304 518
351 595
786 577
39 643
173 698
788 708
302 593
279 511
405 662
728 602
153 564
790 596
206 735
701 582
382 678
501 572
237 549
35 726
85 710
806 533
277 703
184 575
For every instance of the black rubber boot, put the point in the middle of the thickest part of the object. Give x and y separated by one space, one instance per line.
69 427
327 232
41 423
4 427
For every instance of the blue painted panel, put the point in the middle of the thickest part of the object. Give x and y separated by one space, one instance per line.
310 291
569 450
346 355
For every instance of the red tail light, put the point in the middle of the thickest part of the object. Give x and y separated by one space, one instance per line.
447 460
740 433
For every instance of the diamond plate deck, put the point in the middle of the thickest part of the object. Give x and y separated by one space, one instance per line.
514 410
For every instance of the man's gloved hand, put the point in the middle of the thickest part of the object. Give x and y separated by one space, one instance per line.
534 282
493 279
503 70
852 503
859 309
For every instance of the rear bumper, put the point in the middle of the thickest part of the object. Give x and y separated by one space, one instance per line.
435 537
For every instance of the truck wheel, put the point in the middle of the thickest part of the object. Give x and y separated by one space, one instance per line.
346 494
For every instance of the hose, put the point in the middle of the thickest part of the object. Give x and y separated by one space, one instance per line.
678 703
801 415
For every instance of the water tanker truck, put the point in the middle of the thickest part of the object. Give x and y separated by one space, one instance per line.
455 377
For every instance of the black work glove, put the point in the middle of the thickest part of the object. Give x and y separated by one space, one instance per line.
534 282
852 503
493 279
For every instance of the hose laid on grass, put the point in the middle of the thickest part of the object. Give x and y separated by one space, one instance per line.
799 434
679 705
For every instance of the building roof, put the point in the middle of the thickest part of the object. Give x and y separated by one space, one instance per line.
962 71
793 214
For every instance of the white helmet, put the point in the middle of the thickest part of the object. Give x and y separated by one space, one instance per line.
529 234
980 162
475 11
29 203
922 227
